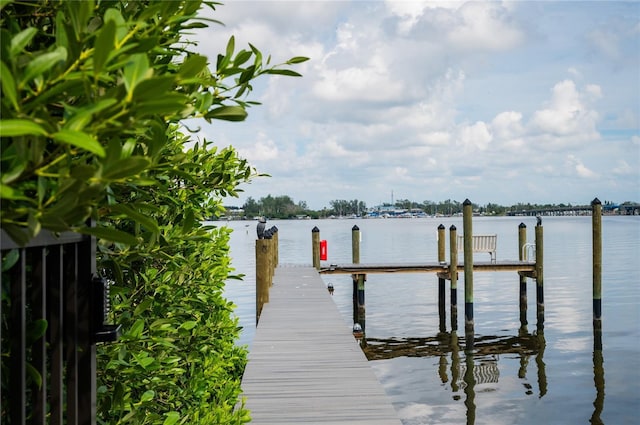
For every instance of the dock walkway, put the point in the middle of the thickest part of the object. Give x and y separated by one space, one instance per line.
305 365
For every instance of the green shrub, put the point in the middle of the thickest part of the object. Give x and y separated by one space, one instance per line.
92 97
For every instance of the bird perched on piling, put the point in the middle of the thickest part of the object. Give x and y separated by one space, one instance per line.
260 227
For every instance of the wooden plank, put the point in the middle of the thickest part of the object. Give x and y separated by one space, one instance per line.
480 266
305 365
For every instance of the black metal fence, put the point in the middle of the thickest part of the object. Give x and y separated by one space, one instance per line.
53 312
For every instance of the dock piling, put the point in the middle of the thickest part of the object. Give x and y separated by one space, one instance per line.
539 277
453 275
522 241
467 213
596 221
315 247
262 274
441 281
276 253
358 280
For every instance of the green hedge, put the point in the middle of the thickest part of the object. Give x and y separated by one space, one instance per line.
92 96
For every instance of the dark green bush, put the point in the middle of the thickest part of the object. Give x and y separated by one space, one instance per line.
92 96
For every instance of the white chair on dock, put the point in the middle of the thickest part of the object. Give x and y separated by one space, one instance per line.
481 243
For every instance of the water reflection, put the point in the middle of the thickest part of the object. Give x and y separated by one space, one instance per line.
469 371
598 374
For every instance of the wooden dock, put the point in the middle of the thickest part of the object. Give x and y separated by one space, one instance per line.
304 365
524 267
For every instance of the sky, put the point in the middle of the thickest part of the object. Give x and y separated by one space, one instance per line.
501 102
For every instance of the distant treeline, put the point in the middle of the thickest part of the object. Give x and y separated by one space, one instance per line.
285 207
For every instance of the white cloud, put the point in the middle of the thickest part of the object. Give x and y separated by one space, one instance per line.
475 137
568 115
262 150
484 25
398 94
575 164
508 125
623 168
371 83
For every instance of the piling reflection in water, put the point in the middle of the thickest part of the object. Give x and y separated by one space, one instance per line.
598 374
465 370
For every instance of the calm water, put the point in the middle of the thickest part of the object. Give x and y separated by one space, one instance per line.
556 378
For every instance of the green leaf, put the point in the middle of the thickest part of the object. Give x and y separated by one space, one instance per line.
227 113
286 72
169 104
16 233
230 47
10 259
242 57
9 85
79 13
143 360
258 53
172 418
15 127
297 59
147 221
13 171
42 64
4 3
43 186
20 40
84 116
247 74
136 330
35 330
121 27
189 325
156 88
105 43
143 306
33 373
192 66
110 234
136 70
126 167
81 140
147 396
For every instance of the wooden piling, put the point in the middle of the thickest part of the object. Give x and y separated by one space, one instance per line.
359 310
315 247
262 274
598 370
441 281
276 253
596 219
467 214
522 241
272 259
453 275
539 277
355 244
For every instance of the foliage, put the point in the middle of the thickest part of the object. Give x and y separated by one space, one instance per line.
177 353
92 96
274 207
253 208
343 207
